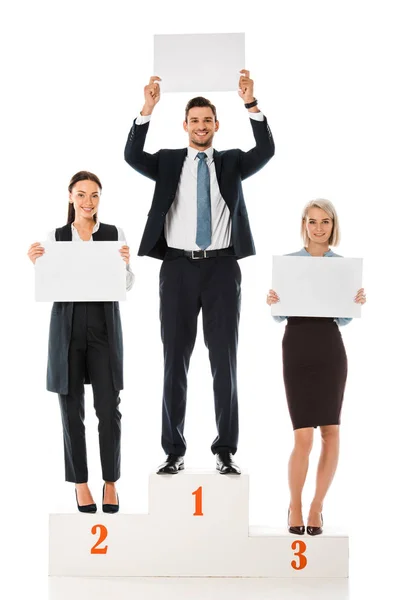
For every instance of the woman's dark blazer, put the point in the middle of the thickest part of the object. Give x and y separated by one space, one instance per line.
61 327
165 166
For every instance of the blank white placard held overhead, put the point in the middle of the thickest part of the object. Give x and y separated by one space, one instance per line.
202 62
87 272
317 286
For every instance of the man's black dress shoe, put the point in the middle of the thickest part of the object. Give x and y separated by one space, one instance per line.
85 508
172 465
315 530
110 508
225 464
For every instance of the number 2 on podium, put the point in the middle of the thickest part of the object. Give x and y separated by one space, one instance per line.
198 494
102 537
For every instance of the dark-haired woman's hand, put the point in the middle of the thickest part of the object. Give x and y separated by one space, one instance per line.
361 297
272 297
124 251
35 251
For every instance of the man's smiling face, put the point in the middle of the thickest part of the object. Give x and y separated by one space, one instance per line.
201 126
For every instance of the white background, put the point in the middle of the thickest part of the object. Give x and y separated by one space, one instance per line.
326 77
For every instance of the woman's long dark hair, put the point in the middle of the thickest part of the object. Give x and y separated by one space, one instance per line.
81 176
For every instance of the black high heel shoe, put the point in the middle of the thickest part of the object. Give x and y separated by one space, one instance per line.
85 508
110 508
297 530
315 530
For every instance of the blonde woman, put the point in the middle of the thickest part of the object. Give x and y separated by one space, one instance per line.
315 372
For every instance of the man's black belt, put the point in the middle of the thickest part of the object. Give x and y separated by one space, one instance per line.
195 254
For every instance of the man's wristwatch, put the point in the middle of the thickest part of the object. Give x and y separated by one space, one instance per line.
251 104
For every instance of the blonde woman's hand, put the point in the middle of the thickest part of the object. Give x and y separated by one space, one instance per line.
35 251
361 297
272 297
124 251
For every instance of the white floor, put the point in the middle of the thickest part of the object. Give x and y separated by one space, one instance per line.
120 588
367 583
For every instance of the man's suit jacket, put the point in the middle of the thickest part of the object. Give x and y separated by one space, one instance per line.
165 166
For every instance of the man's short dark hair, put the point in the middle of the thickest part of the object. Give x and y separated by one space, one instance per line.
201 102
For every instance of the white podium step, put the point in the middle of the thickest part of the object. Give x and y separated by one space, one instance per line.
218 502
197 526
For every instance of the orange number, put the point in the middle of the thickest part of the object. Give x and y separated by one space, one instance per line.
102 537
300 553
199 502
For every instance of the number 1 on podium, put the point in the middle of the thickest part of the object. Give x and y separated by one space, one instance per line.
198 494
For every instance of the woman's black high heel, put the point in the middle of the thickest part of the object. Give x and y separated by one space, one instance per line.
297 530
315 530
110 508
85 508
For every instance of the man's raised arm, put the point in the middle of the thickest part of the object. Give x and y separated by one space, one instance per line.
135 156
257 157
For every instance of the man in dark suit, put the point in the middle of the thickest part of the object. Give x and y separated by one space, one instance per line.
198 226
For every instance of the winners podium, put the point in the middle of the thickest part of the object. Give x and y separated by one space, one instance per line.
197 526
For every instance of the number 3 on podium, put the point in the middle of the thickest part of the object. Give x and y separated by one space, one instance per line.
302 562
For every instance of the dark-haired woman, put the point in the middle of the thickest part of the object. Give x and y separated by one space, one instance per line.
85 346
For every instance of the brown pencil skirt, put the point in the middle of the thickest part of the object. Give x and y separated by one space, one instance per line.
314 371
